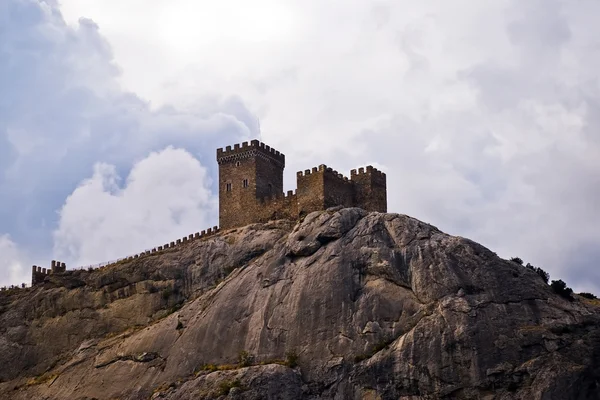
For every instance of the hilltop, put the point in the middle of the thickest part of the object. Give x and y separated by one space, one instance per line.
346 304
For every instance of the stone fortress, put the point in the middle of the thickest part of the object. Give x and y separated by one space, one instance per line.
251 191
251 187
38 274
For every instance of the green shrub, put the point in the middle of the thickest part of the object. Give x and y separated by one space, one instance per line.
245 359
588 295
291 359
517 260
543 274
166 293
226 386
559 287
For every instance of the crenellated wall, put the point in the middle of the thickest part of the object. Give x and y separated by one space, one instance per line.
38 274
251 187
370 188
251 190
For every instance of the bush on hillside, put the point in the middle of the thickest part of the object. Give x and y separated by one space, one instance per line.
517 260
561 289
543 274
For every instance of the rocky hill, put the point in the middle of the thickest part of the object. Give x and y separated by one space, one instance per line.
344 305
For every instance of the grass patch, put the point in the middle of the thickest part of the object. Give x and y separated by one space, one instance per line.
215 367
592 302
41 379
245 359
291 359
226 386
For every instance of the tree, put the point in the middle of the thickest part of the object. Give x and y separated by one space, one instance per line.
543 274
559 287
517 260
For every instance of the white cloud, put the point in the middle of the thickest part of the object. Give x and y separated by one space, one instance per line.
485 115
166 196
62 110
12 271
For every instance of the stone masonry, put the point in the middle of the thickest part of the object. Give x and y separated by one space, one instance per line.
251 190
38 274
251 187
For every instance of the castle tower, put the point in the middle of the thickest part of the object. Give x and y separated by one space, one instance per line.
247 174
370 189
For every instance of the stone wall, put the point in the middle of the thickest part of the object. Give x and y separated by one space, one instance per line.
38 274
310 190
338 189
278 207
251 187
370 189
247 174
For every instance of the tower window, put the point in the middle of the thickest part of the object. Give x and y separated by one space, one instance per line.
245 183
228 187
237 164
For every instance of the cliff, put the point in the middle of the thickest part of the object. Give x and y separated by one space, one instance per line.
344 305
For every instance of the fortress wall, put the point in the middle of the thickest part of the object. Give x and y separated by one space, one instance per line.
248 148
38 274
248 173
311 188
278 207
338 189
371 188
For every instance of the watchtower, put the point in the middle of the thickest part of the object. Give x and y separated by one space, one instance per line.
370 189
247 174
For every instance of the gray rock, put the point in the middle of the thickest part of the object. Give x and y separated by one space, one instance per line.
368 305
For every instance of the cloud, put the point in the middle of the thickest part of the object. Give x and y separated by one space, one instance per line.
11 260
63 110
166 195
485 115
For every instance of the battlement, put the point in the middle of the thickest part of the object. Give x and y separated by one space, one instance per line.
289 195
252 191
176 243
249 149
369 170
38 274
251 187
322 169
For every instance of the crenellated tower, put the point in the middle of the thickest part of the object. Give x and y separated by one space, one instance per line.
370 189
38 274
251 187
247 174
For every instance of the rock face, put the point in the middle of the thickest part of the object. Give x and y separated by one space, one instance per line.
344 305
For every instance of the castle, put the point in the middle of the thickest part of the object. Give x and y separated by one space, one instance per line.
251 191
38 274
251 187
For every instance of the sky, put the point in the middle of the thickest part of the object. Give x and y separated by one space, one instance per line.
484 115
